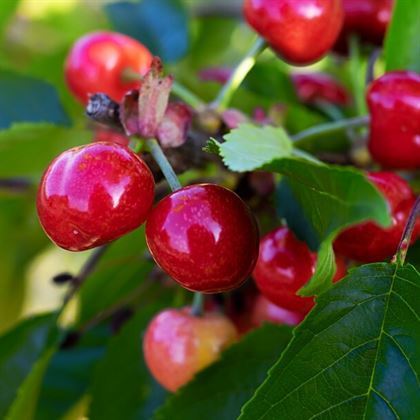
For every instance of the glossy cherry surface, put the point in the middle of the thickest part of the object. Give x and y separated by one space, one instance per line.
368 242
394 104
314 87
93 194
301 31
96 63
368 19
204 237
177 344
284 265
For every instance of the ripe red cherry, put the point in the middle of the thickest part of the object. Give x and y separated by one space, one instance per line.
368 242
394 104
93 194
301 31
97 61
266 311
204 237
368 19
177 344
284 265
314 87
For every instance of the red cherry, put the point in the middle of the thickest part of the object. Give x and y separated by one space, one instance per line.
368 242
204 237
284 265
97 61
266 311
394 104
177 344
93 194
368 19
301 31
315 87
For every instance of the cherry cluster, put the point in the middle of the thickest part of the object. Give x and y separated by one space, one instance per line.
204 236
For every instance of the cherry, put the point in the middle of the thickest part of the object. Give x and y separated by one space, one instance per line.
368 19
394 104
314 87
97 61
266 311
204 237
301 31
177 344
368 242
93 194
284 265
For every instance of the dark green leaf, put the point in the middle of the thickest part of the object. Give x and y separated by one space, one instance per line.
20 350
219 391
162 25
288 208
120 273
402 46
27 149
25 99
69 373
122 386
355 355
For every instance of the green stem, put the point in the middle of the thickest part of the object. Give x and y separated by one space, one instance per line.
163 163
238 75
357 76
330 128
399 257
187 96
197 307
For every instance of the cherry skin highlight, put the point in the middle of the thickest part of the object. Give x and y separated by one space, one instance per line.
314 87
205 237
284 265
177 344
97 61
368 19
300 31
394 104
93 194
368 242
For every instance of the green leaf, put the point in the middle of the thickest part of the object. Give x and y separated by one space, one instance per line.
402 46
121 272
27 149
249 147
122 386
354 356
20 350
162 25
68 375
25 99
331 197
219 391
6 11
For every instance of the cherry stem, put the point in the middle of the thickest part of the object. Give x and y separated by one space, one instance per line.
87 268
16 184
164 165
400 255
187 96
238 75
330 128
357 78
179 90
370 70
197 308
